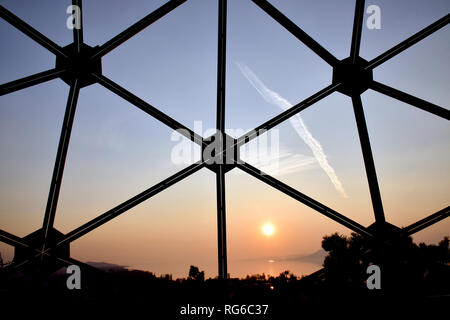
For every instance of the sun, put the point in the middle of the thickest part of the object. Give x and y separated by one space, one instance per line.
268 229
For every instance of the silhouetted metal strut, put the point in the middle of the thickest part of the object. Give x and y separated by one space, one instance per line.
368 161
428 221
78 31
357 30
31 80
31 32
409 99
220 125
137 27
402 46
60 162
297 32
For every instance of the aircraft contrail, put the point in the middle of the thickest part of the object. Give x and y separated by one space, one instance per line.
297 123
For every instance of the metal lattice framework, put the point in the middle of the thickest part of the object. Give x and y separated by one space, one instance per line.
79 65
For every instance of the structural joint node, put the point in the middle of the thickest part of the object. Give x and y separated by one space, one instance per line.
220 150
386 233
353 77
39 262
79 65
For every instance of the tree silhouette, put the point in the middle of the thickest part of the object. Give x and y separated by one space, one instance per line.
405 266
196 274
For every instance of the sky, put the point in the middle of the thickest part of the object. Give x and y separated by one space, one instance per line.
117 151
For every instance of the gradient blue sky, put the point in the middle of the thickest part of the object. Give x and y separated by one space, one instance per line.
117 150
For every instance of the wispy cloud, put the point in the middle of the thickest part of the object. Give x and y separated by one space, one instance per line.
282 163
297 123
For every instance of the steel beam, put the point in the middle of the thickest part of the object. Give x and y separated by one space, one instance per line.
357 30
287 114
368 160
61 155
221 223
31 32
11 239
16 265
78 32
146 107
220 126
402 46
297 195
410 99
297 32
428 221
16 241
131 203
137 27
30 80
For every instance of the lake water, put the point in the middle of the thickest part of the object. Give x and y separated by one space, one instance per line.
236 268
270 267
